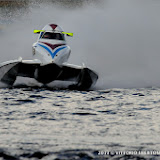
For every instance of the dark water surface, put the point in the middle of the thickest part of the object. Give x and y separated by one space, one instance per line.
64 124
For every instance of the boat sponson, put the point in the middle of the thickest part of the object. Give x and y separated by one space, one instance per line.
84 78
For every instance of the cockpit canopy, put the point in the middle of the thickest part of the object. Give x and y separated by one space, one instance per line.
51 35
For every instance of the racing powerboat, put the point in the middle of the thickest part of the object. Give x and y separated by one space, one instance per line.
50 56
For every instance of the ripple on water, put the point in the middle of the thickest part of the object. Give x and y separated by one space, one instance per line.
138 94
17 102
108 112
37 96
38 155
7 156
96 98
84 114
144 108
23 101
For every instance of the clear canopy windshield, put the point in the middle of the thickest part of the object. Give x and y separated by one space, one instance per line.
49 35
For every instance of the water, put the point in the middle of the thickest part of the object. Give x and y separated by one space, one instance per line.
68 124
119 40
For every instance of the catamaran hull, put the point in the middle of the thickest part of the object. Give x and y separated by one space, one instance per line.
82 77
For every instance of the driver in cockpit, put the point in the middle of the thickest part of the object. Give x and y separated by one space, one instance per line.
57 36
47 35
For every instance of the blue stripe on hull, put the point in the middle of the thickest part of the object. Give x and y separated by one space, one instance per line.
47 49
59 49
50 52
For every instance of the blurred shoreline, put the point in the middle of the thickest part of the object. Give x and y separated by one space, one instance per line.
64 3
13 3
13 9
